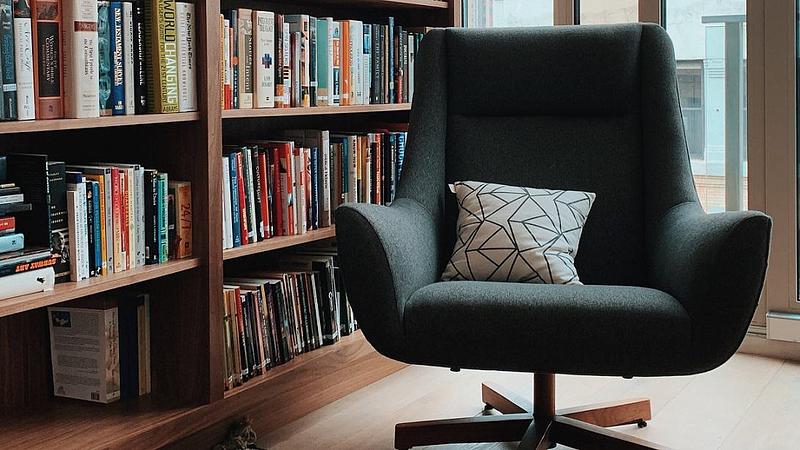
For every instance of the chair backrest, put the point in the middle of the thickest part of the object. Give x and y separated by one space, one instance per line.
591 108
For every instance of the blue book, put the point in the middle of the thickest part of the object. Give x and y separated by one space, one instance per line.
314 188
235 219
12 242
98 253
401 153
117 59
104 58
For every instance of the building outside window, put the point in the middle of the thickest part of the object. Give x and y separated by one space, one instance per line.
710 49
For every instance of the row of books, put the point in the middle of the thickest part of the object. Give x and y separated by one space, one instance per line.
290 186
271 316
87 58
93 220
100 347
296 60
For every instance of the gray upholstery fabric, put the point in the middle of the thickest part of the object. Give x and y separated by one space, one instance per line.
592 108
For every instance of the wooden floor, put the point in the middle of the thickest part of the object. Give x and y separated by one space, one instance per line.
749 403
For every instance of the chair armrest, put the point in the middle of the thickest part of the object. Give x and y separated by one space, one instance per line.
385 254
714 265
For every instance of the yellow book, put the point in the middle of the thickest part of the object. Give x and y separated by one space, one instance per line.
162 65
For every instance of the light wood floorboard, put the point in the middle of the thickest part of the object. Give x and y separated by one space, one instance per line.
750 402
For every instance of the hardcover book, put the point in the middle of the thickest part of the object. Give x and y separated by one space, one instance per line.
245 53
8 111
182 193
162 60
129 58
187 56
104 58
23 54
264 37
47 56
81 85
115 23
139 58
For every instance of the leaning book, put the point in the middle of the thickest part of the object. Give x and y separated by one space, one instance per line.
84 346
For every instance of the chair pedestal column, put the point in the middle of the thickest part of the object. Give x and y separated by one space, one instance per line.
536 425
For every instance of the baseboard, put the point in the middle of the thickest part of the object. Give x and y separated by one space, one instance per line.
757 344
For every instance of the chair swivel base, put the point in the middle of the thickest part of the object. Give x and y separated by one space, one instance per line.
535 425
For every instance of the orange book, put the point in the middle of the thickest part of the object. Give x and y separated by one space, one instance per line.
344 67
183 217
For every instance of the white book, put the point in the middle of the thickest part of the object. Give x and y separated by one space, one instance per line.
84 347
108 214
227 53
356 50
127 43
81 71
78 239
25 283
300 191
187 56
287 57
264 64
227 220
23 54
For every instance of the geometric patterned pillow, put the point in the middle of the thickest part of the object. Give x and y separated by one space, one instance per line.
517 234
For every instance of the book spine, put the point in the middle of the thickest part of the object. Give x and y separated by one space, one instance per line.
249 174
115 22
81 83
314 188
355 50
139 58
183 210
264 37
245 32
163 239
287 65
47 52
227 69
151 251
116 196
235 63
240 183
336 62
124 194
299 191
131 217
257 190
7 225
172 236
96 229
235 213
12 242
312 61
375 73
162 56
390 64
128 32
344 64
23 54
279 44
27 283
227 241
104 58
139 197
8 111
90 219
322 54
265 206
187 56
325 168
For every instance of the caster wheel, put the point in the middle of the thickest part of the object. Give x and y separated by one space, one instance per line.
641 424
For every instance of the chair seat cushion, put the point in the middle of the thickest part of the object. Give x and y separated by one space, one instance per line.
573 329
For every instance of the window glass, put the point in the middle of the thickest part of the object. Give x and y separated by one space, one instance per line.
508 13
608 11
710 48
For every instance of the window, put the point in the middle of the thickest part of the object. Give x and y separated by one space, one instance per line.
608 11
709 40
508 13
690 89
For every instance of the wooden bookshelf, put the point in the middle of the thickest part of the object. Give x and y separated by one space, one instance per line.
40 126
314 111
279 242
188 406
70 291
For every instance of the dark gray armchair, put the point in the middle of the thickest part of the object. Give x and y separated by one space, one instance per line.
669 289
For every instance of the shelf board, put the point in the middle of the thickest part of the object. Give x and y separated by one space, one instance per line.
33 126
346 346
72 290
279 242
314 111
333 371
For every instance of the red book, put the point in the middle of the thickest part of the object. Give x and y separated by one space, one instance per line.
7 225
242 198
48 79
116 219
262 165
287 185
124 215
